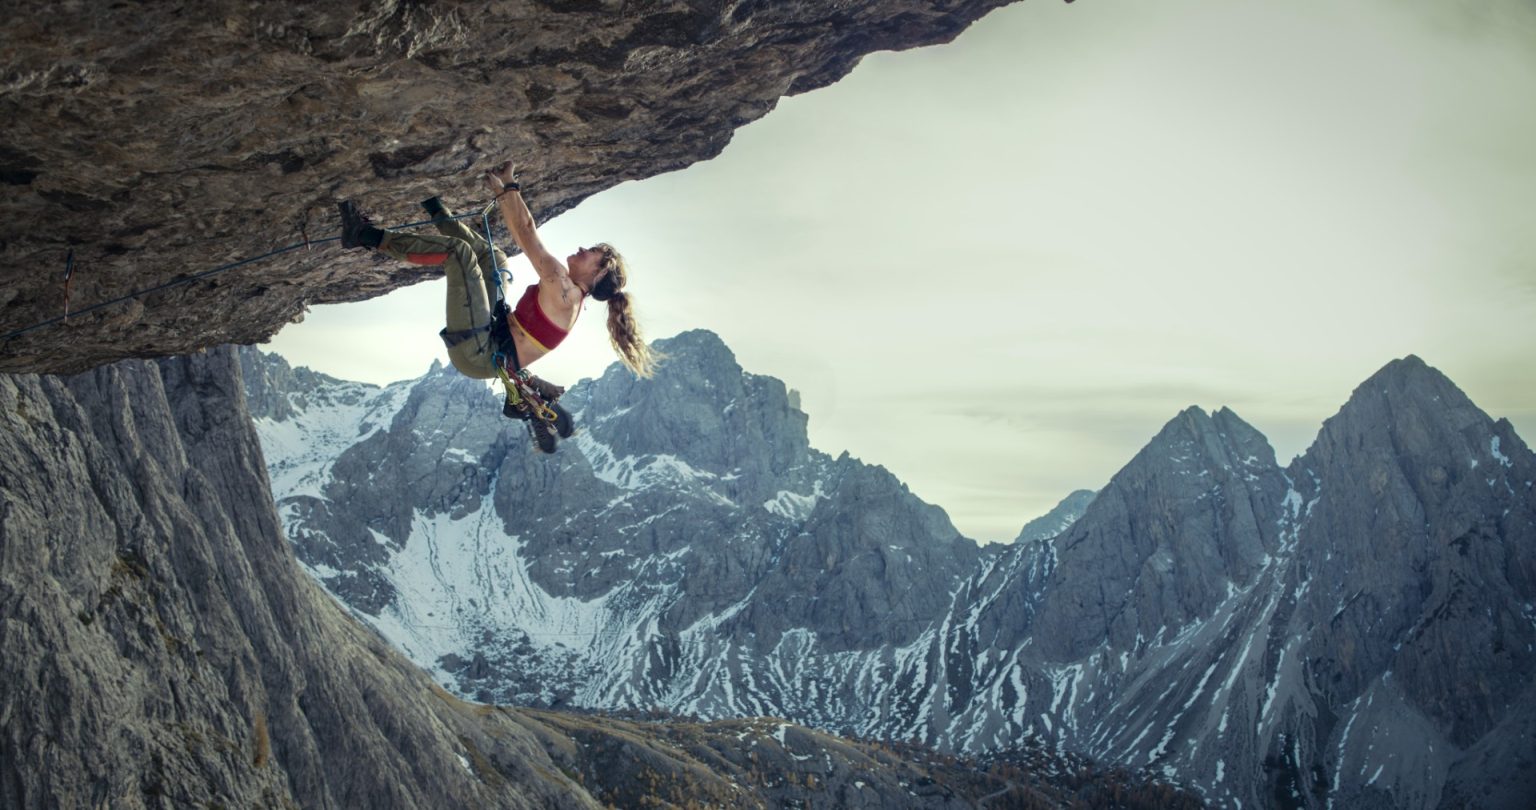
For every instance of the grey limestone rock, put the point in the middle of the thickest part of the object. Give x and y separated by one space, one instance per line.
236 127
160 646
1193 512
1058 519
686 497
275 390
1417 567
1354 628
872 567
1348 631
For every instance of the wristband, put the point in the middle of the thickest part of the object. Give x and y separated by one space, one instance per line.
513 186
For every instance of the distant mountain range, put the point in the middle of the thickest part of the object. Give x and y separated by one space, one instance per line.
1353 630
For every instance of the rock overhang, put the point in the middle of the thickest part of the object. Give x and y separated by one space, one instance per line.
155 143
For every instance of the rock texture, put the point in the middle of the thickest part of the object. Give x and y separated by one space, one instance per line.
1350 629
160 141
1059 519
1425 634
160 647
693 499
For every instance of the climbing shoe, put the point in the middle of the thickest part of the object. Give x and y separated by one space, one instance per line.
435 208
543 434
357 230
551 393
565 425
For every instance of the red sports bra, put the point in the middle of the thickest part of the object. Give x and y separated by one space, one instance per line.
530 318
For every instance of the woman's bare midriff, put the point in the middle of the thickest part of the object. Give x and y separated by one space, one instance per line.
528 350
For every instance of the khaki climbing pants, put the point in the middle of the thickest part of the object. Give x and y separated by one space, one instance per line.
467 260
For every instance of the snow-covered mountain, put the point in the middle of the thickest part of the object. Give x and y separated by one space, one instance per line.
1349 631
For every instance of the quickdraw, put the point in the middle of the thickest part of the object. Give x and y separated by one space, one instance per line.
521 398
69 274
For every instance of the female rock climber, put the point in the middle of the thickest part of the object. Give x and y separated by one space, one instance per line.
479 335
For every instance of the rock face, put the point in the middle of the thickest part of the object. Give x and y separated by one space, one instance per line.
1425 632
160 141
1351 629
1196 509
691 505
160 647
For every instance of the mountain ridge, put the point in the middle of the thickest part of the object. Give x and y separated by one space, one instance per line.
162 647
1190 620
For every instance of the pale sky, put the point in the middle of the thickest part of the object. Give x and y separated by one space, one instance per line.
998 267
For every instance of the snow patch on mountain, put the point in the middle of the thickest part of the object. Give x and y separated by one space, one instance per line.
794 506
301 448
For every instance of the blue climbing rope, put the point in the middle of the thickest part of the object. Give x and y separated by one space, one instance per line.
221 269
485 220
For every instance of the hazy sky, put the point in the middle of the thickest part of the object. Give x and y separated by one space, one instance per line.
997 267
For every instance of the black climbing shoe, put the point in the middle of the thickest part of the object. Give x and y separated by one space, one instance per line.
565 424
354 226
435 208
543 434
551 393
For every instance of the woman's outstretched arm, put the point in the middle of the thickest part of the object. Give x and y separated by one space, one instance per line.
514 211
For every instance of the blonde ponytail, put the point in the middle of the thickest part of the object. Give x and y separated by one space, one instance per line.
623 332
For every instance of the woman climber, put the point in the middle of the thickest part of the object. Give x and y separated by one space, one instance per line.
485 338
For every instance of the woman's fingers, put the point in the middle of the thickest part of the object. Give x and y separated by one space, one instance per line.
503 172
498 178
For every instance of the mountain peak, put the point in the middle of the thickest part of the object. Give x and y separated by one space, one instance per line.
1411 400
1411 417
697 343
1410 373
1219 434
1059 519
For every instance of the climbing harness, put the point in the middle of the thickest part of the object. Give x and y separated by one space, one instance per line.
524 399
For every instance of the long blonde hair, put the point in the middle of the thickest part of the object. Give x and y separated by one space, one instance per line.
623 332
